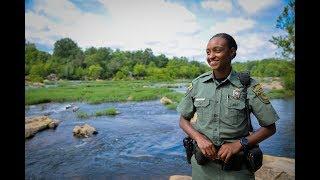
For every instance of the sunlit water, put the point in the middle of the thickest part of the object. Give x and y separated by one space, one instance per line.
143 142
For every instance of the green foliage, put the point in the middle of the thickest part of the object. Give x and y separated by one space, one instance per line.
289 82
286 22
79 73
33 55
82 115
139 70
108 112
280 93
35 78
266 67
70 62
94 71
66 48
272 68
95 92
120 75
158 74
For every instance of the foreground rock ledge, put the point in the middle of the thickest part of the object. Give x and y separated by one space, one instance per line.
273 168
38 123
84 131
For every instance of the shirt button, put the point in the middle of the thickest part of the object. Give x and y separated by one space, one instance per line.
217 101
215 115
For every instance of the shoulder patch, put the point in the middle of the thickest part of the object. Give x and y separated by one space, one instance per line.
189 88
257 89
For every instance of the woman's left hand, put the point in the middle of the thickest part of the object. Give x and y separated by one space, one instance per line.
227 150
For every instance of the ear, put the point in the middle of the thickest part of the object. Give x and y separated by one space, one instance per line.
233 52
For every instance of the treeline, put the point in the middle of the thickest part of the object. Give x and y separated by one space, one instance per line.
68 61
270 68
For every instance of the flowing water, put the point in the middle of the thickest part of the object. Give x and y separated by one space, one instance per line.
143 142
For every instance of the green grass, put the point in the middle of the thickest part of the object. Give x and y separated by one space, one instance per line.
82 115
280 93
96 92
108 112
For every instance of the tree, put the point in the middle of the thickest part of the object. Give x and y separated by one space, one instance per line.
66 48
286 22
139 70
94 71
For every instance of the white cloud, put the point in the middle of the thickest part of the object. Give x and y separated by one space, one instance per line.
219 5
129 25
254 6
252 46
165 27
232 26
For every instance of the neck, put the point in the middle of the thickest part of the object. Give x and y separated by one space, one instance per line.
223 73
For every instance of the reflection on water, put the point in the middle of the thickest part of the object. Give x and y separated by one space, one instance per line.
143 142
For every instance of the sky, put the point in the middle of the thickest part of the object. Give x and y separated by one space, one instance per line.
169 27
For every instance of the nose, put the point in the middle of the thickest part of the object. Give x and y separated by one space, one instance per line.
211 56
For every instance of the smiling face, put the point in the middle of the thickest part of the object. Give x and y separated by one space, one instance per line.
219 55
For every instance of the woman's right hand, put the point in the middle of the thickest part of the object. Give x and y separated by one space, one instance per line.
206 146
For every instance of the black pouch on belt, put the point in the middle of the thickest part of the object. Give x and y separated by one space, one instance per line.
199 156
254 158
235 162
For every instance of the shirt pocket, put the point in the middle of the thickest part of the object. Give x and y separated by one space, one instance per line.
235 111
203 111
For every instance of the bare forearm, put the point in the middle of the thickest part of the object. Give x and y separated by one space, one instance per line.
261 134
186 126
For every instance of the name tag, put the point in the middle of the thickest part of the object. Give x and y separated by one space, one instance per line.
200 99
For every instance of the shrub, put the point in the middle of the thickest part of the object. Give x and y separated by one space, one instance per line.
108 112
82 115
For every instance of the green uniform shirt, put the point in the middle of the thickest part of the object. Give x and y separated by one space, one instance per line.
221 107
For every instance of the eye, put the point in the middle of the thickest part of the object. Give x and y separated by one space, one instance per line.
217 50
208 52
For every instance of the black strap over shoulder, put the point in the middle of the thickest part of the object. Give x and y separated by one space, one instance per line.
244 78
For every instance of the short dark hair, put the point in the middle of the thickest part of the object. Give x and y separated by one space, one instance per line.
230 41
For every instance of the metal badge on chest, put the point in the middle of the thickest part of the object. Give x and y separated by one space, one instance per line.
236 93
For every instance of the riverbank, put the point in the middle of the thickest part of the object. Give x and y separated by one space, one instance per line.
95 92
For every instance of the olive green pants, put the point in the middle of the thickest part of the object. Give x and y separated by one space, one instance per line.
213 171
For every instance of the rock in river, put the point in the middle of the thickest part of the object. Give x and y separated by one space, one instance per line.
84 131
164 100
38 123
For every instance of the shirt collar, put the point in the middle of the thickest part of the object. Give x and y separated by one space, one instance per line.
232 77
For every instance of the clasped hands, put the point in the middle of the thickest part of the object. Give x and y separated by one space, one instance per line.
225 152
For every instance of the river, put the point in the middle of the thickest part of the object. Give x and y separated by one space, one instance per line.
143 142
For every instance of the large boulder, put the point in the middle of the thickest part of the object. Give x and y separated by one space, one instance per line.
180 177
276 168
84 131
38 123
164 100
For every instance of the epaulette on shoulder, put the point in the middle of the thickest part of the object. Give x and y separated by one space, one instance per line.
253 82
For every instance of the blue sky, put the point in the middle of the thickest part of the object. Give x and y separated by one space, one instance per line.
170 27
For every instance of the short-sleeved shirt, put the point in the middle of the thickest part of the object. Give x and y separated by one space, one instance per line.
221 108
